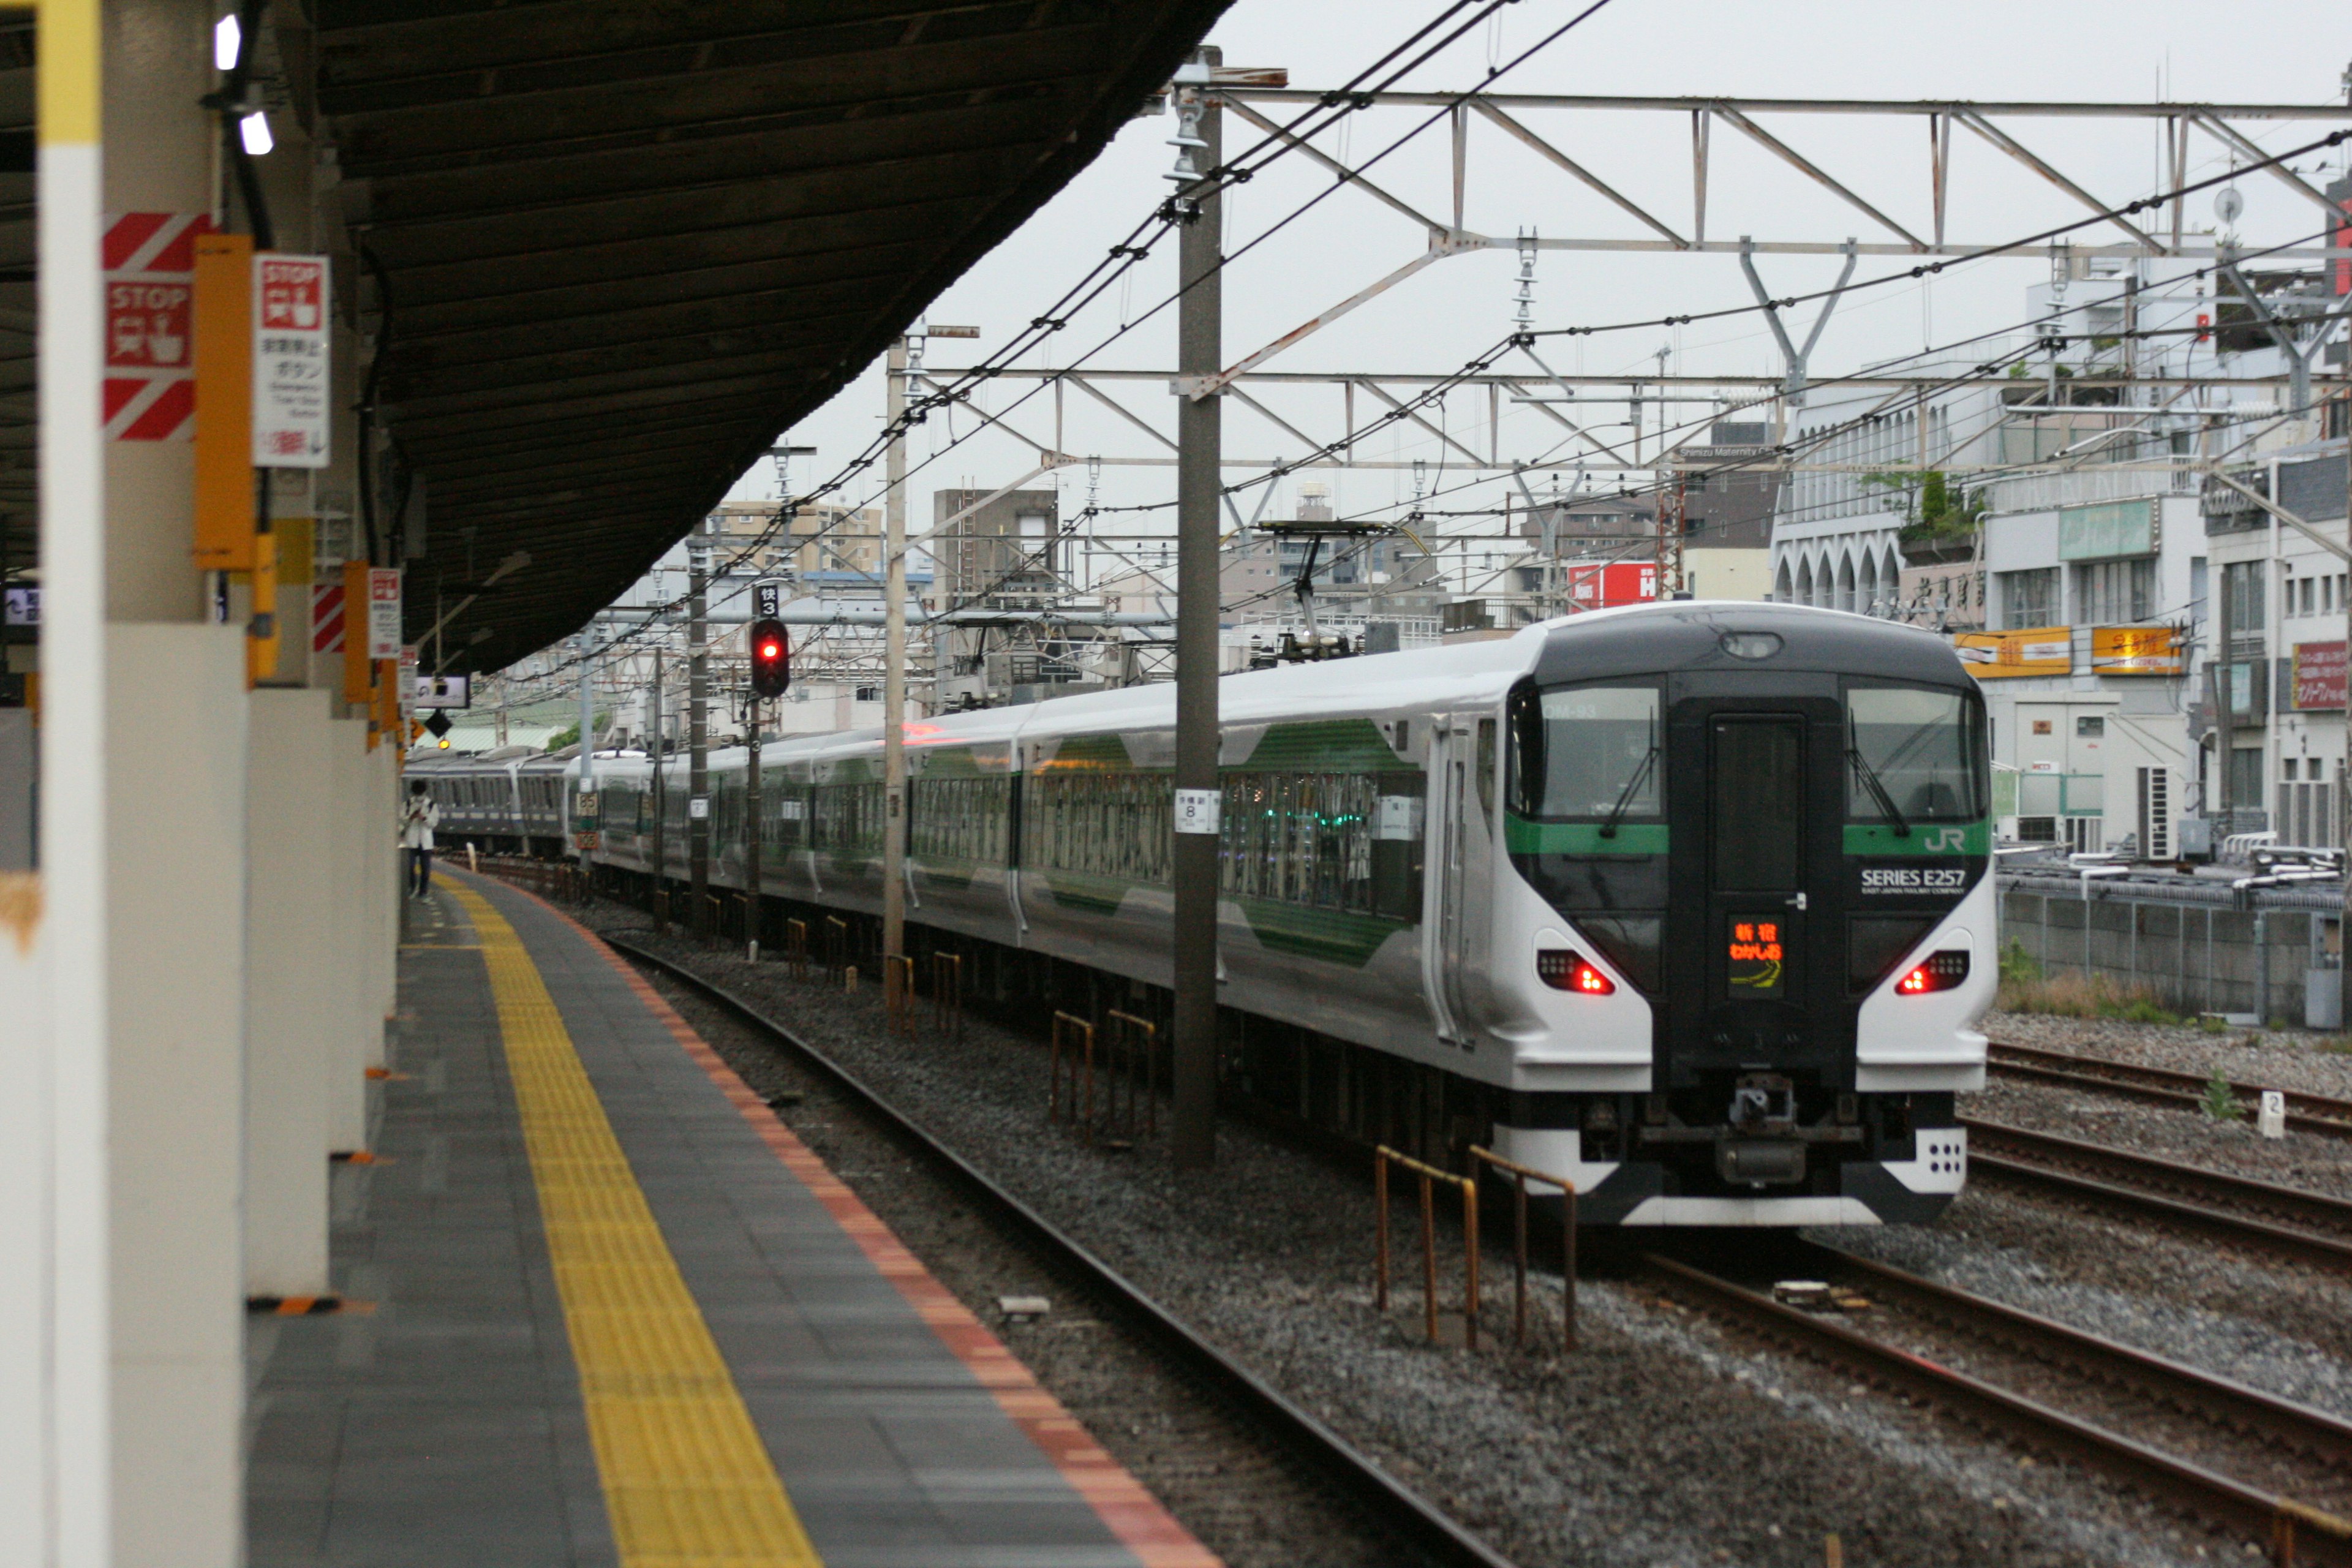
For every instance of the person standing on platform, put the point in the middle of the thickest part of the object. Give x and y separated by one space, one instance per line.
418 821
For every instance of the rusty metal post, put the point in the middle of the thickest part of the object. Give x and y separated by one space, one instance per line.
796 947
1380 1206
1470 1265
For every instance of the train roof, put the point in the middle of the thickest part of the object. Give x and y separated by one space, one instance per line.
1595 644
1689 635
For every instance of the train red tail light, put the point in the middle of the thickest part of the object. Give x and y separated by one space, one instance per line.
1938 972
1564 971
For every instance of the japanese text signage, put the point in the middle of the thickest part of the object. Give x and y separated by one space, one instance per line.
2319 675
2038 650
290 396
2136 650
383 612
1756 957
150 372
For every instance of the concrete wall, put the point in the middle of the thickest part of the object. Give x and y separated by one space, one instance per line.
2192 958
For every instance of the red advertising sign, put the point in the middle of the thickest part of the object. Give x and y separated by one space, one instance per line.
2319 675
1601 587
151 375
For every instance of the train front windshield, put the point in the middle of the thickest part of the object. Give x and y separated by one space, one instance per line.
1914 754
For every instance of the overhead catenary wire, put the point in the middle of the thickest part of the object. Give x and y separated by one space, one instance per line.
1097 282
960 389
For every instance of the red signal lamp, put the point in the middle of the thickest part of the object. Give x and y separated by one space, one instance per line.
1565 971
1938 972
771 659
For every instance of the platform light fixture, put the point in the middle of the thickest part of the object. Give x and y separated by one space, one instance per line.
253 131
228 38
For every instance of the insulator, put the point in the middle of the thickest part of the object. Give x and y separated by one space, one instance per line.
1183 139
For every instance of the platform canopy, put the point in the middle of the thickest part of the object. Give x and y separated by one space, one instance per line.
613 248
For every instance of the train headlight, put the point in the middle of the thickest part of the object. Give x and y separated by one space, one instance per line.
1939 972
1564 971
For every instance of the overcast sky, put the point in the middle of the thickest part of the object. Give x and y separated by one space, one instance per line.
2282 51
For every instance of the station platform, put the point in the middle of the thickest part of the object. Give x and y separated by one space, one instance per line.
600 1307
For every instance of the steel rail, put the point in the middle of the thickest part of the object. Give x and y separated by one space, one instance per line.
2158 1086
2262 1517
1412 1517
2276 1200
2301 1245
2312 1433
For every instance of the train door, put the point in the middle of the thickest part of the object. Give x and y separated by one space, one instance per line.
1755 951
1463 783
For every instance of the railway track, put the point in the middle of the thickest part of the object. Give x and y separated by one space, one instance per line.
2156 1086
2275 1437
1401 1515
2312 1227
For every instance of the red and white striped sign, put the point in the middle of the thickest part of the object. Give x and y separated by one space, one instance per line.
151 273
327 618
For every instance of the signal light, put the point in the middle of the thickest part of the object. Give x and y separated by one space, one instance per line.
1564 971
771 659
1938 972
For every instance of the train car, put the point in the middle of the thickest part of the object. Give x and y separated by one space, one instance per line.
1688 903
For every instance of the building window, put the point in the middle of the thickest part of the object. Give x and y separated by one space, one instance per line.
2115 593
2242 583
2029 598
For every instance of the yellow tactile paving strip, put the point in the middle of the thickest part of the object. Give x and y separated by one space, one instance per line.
688 1482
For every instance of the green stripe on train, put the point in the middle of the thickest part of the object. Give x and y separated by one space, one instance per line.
1325 746
1334 936
1634 838
1084 891
1925 838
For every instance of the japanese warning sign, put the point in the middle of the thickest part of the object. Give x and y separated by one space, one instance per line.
289 361
384 612
151 385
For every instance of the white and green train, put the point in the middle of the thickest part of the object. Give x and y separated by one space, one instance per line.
1688 903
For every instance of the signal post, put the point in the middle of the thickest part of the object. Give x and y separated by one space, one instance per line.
772 673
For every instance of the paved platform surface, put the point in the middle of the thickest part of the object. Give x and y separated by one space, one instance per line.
603 1309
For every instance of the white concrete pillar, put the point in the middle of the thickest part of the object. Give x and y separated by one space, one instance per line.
177 894
174 854
354 1020
296 975
383 855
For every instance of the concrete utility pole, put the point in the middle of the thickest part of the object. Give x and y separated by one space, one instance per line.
893 671
751 832
698 732
1193 1137
587 744
659 746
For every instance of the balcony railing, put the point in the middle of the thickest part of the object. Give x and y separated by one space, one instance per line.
2085 487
